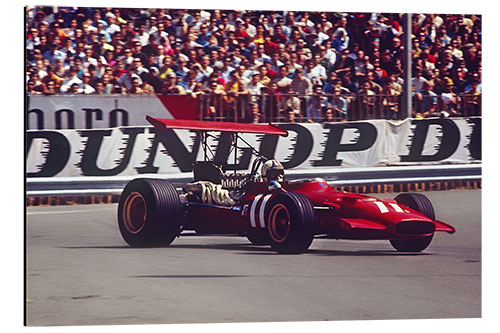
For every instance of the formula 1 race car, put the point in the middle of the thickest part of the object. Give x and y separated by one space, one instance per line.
287 215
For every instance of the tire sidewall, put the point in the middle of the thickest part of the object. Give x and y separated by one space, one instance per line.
159 228
417 202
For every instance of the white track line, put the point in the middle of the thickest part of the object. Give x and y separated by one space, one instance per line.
66 211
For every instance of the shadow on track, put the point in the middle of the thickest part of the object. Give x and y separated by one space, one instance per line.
249 249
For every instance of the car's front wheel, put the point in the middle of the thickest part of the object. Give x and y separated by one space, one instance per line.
423 205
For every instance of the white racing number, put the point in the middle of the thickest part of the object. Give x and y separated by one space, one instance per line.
262 210
383 208
396 207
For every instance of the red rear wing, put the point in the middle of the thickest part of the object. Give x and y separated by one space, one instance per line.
202 125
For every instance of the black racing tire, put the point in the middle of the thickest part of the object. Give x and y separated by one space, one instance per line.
423 205
261 238
149 213
290 220
418 202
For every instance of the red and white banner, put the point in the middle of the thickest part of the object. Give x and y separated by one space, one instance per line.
104 111
138 150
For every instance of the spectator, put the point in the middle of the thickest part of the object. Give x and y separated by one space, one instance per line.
264 75
170 86
138 68
328 57
315 104
374 86
226 68
125 80
315 73
255 86
74 89
51 76
341 40
136 86
253 113
473 99
427 101
54 53
418 80
344 63
318 70
361 65
331 82
88 58
290 116
72 79
32 88
79 66
137 52
167 67
347 82
107 86
390 101
111 25
366 101
290 102
282 80
85 86
337 105
328 116
142 36
98 87
450 100
301 84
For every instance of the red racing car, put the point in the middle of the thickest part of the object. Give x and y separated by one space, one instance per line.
287 215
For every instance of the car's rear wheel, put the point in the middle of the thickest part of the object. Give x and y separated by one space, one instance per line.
149 213
423 205
290 222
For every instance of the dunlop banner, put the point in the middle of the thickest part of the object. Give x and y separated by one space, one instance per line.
125 151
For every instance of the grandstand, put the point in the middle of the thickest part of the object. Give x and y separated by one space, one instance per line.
261 66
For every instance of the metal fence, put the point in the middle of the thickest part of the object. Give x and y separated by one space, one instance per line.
328 107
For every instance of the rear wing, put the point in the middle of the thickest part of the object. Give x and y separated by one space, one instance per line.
202 125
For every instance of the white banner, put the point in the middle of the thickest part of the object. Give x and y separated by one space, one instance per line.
126 151
104 111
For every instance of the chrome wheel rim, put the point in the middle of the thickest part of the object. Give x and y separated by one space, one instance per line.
134 213
279 223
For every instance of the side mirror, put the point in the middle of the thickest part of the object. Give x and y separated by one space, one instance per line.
274 185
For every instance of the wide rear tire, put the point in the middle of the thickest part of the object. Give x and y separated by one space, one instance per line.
149 213
290 221
423 205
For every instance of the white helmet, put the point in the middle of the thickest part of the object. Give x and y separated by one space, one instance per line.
273 170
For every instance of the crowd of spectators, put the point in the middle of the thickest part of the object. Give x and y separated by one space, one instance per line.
314 65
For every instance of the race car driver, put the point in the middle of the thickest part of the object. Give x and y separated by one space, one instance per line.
273 170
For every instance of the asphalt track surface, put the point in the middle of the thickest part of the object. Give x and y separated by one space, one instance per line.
80 272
